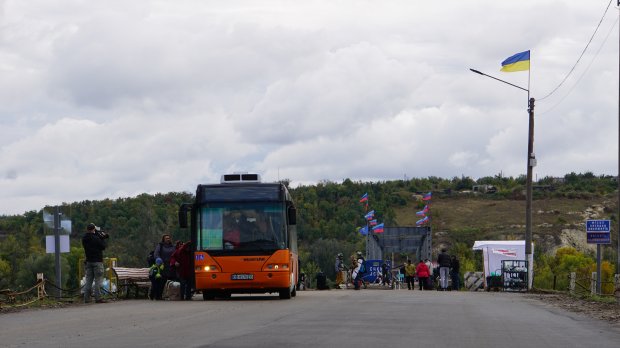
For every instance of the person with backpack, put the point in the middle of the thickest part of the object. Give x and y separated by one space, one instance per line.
164 251
358 272
156 276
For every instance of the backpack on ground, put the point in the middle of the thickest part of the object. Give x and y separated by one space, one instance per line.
172 291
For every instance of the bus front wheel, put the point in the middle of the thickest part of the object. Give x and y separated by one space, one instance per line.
285 294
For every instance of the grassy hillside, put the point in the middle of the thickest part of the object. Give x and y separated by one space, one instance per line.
466 217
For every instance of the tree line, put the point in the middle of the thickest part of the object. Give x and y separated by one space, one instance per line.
329 215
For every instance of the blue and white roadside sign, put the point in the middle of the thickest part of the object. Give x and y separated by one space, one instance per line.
598 231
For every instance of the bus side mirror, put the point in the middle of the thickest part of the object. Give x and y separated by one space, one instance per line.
292 215
183 215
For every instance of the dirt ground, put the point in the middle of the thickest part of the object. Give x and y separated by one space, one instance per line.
606 311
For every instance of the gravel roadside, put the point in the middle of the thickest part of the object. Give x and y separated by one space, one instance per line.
606 311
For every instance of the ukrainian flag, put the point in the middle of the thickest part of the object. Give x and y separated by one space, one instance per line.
517 62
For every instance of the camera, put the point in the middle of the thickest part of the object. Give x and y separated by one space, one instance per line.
102 234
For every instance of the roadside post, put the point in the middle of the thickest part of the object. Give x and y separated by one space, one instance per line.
598 232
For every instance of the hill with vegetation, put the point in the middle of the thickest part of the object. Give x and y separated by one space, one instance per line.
329 216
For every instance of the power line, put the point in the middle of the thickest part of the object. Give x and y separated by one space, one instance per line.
582 53
584 72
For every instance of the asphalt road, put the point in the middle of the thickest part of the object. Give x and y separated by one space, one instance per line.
334 318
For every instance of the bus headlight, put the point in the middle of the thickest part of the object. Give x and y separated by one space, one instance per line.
210 268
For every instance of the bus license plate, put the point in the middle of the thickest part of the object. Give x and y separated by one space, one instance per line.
242 277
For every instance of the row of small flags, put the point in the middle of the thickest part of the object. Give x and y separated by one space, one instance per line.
516 62
424 212
371 223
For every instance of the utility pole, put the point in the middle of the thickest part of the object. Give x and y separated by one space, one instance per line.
531 162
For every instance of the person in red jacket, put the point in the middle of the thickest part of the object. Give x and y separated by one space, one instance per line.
423 274
181 259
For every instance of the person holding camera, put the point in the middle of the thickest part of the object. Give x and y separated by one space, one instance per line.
94 242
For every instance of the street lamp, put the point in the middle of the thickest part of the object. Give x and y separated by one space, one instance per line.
531 162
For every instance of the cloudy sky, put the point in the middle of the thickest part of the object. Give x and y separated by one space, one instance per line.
108 99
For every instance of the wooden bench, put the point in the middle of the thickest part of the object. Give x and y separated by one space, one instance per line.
136 279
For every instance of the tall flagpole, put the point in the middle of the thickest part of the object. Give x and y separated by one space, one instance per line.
367 238
367 227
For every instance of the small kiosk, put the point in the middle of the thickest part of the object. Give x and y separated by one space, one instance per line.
495 253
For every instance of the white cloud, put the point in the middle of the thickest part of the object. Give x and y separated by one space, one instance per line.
100 100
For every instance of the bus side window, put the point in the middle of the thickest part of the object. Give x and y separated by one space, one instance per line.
292 215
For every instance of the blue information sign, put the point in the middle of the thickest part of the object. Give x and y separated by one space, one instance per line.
373 270
598 231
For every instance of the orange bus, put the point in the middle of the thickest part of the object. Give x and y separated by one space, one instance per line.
244 237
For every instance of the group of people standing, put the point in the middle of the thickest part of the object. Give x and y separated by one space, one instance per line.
172 262
421 271
357 270
448 270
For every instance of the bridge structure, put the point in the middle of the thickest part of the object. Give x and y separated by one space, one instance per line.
410 240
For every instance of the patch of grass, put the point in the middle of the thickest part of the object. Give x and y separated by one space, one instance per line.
475 217
602 299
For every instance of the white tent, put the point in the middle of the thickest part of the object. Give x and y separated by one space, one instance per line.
495 251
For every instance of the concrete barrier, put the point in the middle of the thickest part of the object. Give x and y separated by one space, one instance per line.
474 280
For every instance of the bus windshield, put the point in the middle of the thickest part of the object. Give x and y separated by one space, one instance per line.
225 228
